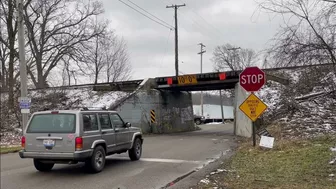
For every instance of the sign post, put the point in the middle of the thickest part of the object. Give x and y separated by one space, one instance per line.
252 79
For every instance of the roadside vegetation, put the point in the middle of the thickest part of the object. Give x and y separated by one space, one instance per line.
290 164
9 149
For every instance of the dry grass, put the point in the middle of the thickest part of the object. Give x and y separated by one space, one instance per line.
296 164
11 149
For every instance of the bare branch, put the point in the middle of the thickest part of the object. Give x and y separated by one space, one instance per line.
54 28
230 57
310 39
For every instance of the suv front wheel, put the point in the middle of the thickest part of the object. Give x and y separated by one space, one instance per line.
136 151
97 161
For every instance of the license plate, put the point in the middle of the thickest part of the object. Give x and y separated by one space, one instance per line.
49 142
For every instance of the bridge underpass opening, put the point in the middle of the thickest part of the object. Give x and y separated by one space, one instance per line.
242 126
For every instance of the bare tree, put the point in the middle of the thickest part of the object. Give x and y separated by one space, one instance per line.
55 28
230 57
105 54
8 54
308 34
117 61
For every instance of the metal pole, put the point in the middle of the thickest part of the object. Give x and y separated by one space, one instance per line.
254 133
221 103
202 110
23 66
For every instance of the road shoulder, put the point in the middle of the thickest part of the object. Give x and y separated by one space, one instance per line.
192 179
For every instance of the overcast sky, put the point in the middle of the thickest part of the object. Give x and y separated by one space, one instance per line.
212 22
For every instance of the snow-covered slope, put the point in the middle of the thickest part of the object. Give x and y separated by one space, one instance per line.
305 108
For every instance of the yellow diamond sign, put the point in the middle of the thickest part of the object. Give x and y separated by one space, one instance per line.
253 107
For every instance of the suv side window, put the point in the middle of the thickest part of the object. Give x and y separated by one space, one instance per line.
105 122
117 121
90 122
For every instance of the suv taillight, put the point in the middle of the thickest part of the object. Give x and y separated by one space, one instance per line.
79 143
23 142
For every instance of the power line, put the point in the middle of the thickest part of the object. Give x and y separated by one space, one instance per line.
166 48
202 29
150 13
145 15
193 10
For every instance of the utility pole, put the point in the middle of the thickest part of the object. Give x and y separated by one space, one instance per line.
176 36
23 66
201 53
221 103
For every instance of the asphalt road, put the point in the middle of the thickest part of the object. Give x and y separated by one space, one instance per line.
165 158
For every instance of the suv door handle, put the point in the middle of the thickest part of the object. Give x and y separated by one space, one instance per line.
104 132
116 131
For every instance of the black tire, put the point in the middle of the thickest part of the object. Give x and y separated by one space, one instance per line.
135 152
198 122
97 161
43 167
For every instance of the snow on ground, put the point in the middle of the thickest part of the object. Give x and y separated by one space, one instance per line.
270 94
95 99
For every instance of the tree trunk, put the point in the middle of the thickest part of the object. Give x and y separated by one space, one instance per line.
3 76
96 77
10 81
11 39
40 79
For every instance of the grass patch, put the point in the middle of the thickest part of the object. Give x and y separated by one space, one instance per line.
296 164
11 149
291 164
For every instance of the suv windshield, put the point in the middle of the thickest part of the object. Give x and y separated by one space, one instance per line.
52 123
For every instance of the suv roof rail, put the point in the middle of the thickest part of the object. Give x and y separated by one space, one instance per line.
81 108
93 108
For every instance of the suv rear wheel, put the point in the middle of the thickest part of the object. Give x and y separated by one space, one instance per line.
43 167
136 151
97 161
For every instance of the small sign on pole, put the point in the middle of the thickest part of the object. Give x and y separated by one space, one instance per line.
25 103
252 79
253 107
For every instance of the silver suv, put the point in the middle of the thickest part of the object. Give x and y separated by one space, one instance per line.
72 136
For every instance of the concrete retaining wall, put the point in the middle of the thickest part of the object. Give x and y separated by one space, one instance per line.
174 111
242 124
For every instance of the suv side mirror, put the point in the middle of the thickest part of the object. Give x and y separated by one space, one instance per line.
128 124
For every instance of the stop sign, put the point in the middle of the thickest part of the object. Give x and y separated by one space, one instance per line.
252 79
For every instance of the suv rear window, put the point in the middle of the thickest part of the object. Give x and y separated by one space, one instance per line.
52 123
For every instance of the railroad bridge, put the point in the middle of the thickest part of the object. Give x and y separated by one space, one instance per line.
164 104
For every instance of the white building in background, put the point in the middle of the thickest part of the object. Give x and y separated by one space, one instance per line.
214 111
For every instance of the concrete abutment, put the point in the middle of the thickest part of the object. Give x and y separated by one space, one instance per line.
242 124
173 111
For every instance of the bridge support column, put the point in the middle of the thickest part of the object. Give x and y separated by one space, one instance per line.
242 124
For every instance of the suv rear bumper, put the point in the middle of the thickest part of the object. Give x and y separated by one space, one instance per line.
78 155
